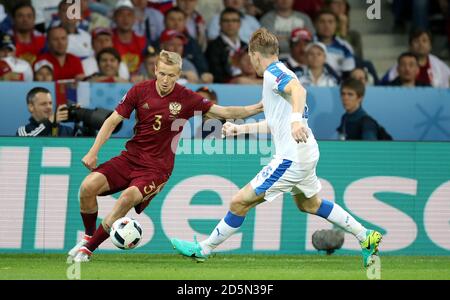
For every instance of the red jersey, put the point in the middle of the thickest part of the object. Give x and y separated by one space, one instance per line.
424 74
71 68
30 51
153 134
131 53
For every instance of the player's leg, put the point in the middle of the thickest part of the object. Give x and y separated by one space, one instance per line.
265 186
127 200
94 184
240 204
334 213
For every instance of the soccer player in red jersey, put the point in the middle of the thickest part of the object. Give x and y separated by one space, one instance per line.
144 167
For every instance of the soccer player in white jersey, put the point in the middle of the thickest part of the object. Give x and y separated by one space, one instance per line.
293 168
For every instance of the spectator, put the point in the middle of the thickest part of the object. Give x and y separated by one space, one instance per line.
356 124
66 66
432 70
309 7
296 61
249 24
43 122
102 38
175 19
3 14
195 24
125 40
361 75
283 20
407 69
254 9
248 74
211 128
29 42
341 8
43 71
149 21
340 53
147 69
174 41
45 9
11 67
208 9
162 5
79 39
5 20
316 73
91 19
208 93
108 61
88 21
221 52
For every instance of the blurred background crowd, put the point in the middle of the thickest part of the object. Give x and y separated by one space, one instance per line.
119 40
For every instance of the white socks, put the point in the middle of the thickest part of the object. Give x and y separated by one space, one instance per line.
338 216
226 227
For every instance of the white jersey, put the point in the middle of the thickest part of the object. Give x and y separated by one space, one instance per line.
278 110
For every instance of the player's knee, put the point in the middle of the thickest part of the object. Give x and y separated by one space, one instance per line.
238 205
301 207
308 206
88 189
128 199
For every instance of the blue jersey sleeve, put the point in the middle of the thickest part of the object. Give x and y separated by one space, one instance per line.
282 78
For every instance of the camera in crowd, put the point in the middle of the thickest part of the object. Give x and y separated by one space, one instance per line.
91 119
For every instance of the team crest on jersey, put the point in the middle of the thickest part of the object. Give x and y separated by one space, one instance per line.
174 108
266 172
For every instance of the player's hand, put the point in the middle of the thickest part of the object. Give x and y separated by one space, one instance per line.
230 129
90 161
299 132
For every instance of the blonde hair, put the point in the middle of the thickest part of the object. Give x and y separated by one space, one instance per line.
264 42
170 58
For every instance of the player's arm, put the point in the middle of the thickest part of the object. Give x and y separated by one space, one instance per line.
233 112
90 159
298 100
230 129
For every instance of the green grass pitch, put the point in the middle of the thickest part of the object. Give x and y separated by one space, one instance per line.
221 266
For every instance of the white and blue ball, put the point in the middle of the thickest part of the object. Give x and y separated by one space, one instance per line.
126 233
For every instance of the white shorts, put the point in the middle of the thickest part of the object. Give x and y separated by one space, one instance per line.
282 176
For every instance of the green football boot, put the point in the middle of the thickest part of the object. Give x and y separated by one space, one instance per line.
370 247
189 249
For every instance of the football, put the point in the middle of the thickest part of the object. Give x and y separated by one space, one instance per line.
126 233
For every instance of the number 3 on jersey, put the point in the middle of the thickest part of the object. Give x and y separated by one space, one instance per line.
157 124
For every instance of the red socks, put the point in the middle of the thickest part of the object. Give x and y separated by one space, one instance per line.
99 237
89 221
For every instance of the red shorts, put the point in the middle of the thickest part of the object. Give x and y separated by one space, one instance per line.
122 173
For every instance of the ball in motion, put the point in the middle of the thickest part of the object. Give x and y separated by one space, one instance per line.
126 233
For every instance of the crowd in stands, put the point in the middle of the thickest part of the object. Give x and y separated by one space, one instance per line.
119 40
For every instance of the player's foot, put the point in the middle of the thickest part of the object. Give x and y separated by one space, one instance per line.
83 255
370 247
189 249
80 244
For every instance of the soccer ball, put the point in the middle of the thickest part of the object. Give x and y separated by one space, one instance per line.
126 233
